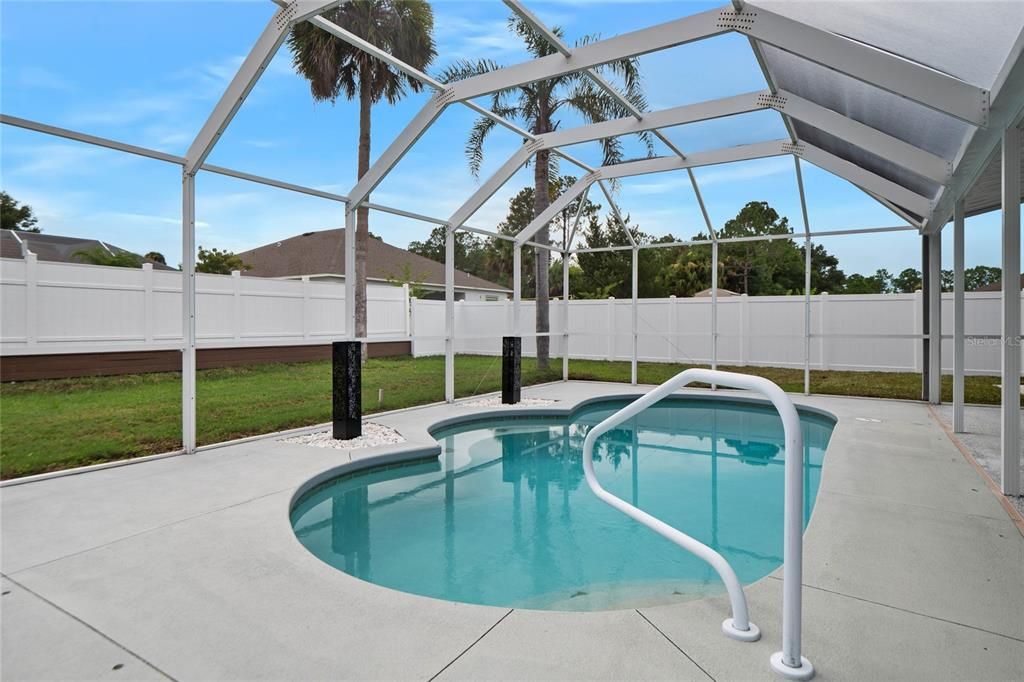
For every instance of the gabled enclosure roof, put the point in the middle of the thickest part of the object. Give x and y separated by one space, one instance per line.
974 42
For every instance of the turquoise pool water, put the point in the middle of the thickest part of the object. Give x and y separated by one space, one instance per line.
504 517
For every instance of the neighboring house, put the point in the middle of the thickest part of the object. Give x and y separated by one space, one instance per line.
320 256
998 286
55 248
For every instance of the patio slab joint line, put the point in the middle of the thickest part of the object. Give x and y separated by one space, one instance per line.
913 613
88 626
145 531
475 642
679 648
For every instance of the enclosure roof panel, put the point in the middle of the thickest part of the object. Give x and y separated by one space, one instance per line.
968 40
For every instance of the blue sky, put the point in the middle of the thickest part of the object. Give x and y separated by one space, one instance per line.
149 73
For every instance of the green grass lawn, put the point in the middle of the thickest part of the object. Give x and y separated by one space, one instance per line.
56 424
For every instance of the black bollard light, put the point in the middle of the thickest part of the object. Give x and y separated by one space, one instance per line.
511 375
347 389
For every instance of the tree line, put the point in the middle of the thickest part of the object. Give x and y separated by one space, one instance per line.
772 267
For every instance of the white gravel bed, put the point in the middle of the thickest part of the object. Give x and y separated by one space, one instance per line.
373 434
496 402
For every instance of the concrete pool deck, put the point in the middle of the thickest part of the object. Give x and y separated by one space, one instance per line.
187 568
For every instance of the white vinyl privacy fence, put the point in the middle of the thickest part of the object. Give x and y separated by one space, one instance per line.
68 308
872 332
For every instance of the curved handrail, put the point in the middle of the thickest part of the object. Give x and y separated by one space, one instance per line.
788 662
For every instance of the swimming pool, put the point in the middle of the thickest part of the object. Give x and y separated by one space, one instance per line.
503 517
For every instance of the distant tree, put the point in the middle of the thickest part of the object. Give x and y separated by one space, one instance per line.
156 257
16 216
217 262
608 273
761 267
468 250
826 277
878 283
980 276
907 282
101 256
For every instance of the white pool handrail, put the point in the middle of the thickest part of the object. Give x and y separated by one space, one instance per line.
788 662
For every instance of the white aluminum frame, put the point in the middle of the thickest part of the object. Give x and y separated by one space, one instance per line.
788 662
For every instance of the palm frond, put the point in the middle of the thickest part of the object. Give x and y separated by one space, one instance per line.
475 143
536 43
462 69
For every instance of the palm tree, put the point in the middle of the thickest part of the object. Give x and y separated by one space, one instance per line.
538 105
403 28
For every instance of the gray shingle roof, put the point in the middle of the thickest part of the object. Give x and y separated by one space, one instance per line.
318 253
56 248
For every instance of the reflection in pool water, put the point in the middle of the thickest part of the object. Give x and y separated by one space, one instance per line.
505 518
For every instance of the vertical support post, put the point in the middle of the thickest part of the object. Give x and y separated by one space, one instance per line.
188 312
407 310
958 317
147 302
449 313
935 318
611 328
565 315
307 314
744 329
350 271
808 247
31 299
714 305
926 346
673 316
636 293
517 287
236 303
822 341
1010 432
511 369
346 389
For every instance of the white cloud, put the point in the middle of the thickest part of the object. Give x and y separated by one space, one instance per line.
460 37
43 79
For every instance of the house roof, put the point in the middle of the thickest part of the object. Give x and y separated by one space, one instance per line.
319 253
998 286
57 248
